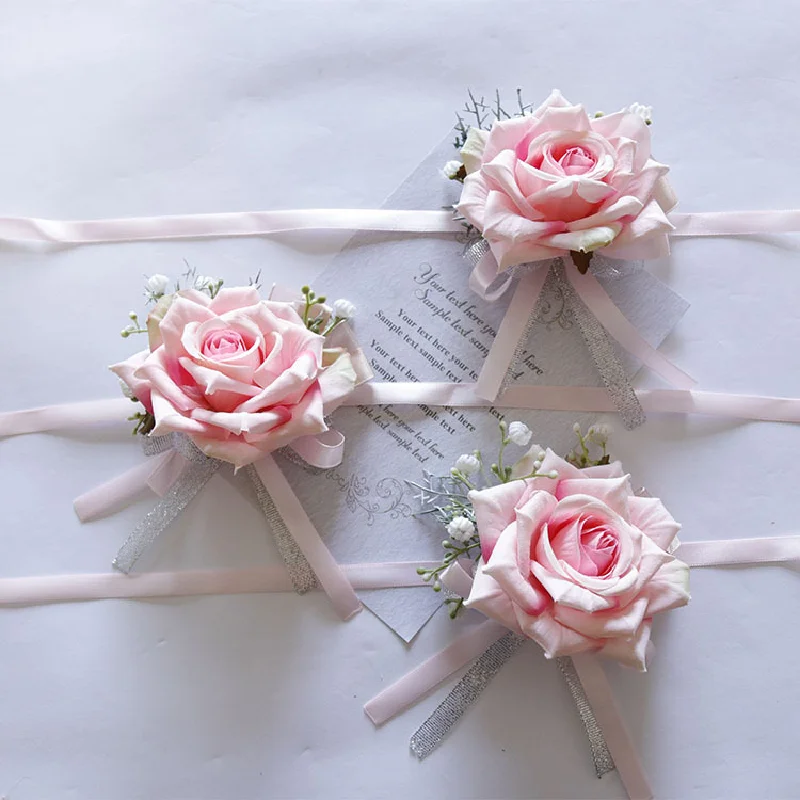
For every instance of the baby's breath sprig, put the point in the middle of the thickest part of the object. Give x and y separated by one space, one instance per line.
324 320
132 327
585 453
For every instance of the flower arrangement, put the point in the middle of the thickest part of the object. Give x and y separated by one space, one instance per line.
559 550
544 182
239 375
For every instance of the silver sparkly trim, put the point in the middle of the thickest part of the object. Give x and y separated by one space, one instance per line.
477 251
300 571
154 445
601 755
602 351
433 731
196 475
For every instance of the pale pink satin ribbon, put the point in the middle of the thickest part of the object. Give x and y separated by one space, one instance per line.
580 399
265 223
157 473
589 290
115 585
329 574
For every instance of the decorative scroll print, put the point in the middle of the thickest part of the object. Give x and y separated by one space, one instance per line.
386 498
553 308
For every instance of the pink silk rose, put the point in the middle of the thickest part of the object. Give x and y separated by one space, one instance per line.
578 563
554 181
239 375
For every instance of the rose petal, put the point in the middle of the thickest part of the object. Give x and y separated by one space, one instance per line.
472 151
494 510
157 372
623 622
126 370
631 651
613 492
510 559
624 125
487 597
337 382
668 588
554 638
650 516
235 298
288 387
472 204
184 309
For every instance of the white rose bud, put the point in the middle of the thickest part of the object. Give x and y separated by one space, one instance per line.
343 309
519 433
467 464
645 112
156 284
452 168
461 529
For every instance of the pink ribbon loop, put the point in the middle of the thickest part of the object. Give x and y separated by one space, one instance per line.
325 450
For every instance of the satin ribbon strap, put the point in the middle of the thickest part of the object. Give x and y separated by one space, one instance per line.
774 549
65 416
329 574
241 223
735 223
614 321
622 749
157 474
512 333
413 686
272 578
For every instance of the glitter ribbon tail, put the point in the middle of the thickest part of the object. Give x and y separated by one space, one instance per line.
195 476
300 572
433 731
601 348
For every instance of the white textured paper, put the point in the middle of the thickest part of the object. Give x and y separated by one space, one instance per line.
418 321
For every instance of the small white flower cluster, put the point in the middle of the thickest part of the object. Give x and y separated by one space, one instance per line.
461 529
467 464
343 309
452 169
519 433
645 112
156 286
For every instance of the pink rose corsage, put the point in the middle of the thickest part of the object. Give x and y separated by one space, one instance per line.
553 181
240 376
567 554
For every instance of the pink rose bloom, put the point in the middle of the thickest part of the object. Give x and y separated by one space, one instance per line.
555 181
239 375
578 563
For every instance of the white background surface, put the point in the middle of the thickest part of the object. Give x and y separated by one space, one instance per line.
151 107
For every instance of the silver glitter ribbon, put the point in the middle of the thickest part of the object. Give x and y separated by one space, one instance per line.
601 755
433 731
600 347
300 572
475 252
196 475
